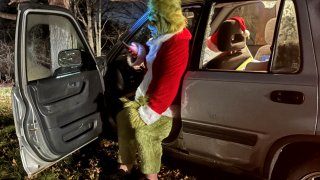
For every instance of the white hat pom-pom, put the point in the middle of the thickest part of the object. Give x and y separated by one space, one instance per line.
246 33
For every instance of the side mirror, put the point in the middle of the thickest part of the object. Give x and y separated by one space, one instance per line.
70 57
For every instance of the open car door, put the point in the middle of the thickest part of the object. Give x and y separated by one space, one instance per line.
58 93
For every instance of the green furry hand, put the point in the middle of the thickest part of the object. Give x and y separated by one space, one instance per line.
129 104
132 112
136 122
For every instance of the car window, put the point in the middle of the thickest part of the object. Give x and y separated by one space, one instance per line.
248 46
46 55
192 14
287 50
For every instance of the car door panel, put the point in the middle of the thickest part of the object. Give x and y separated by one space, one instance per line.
74 110
67 87
234 112
59 111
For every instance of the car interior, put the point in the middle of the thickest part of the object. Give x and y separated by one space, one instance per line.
268 36
232 44
260 19
264 52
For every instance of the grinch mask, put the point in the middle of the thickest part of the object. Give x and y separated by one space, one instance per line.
165 17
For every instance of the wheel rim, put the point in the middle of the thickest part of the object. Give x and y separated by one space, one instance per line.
312 176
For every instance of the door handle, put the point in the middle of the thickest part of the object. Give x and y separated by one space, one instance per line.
287 97
73 84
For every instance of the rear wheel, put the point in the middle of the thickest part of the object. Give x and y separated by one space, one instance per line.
309 170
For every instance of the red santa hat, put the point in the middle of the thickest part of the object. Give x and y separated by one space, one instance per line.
212 41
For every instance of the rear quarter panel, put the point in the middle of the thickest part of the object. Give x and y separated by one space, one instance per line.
314 13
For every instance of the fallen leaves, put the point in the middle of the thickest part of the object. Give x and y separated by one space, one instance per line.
14 163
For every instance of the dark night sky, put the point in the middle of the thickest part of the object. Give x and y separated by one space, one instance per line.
5 8
12 9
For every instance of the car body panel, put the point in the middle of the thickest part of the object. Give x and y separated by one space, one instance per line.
313 10
249 102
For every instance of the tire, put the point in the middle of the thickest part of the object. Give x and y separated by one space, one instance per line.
309 170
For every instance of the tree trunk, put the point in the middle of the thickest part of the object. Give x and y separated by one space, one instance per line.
89 27
61 3
59 40
98 30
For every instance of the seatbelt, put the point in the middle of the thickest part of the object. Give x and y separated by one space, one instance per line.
244 64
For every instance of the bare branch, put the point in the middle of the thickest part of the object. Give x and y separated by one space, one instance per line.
104 24
17 2
80 16
8 16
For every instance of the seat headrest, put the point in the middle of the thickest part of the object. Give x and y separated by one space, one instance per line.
269 30
230 36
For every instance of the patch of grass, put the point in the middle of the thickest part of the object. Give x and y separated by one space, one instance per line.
10 163
6 117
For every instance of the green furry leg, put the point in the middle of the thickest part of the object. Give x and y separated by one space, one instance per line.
134 135
126 139
149 139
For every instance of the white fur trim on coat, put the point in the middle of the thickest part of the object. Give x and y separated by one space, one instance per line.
246 33
148 115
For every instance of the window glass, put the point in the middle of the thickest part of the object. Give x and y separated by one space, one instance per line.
53 47
256 16
287 50
191 14
241 39
206 53
227 47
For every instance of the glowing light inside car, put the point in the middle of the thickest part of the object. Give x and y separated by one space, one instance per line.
269 4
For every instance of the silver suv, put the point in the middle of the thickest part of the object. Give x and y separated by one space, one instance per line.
259 116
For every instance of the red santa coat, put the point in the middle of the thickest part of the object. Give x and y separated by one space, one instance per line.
166 62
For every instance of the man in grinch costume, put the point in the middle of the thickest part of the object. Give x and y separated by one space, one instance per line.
146 121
